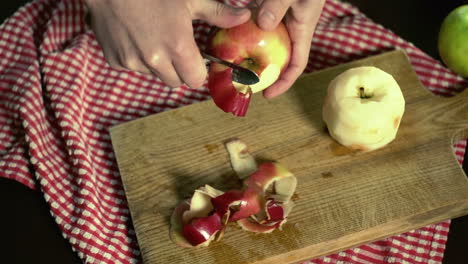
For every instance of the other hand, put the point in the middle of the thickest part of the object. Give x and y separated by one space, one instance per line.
300 18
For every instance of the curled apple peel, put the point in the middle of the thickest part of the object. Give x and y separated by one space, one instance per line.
200 204
256 227
175 232
271 181
274 210
200 231
262 205
276 215
275 179
242 162
277 185
225 95
194 222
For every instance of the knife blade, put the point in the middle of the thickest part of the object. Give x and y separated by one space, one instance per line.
239 73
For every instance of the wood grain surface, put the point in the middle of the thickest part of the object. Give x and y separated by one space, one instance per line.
343 199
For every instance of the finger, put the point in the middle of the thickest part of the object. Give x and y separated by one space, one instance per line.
300 22
134 63
271 12
286 80
301 43
301 38
190 66
186 57
219 14
110 56
112 60
120 55
122 61
164 69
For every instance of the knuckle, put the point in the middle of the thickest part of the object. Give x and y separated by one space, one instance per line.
179 50
132 63
152 59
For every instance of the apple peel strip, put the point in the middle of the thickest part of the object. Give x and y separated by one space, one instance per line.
261 206
225 95
274 182
242 162
282 183
193 221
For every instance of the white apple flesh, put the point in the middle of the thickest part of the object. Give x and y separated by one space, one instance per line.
242 162
269 75
200 203
363 108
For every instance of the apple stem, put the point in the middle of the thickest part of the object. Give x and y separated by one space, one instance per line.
249 61
361 92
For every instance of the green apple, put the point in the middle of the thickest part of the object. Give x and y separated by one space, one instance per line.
453 40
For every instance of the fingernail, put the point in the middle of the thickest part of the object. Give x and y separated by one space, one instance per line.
267 15
238 11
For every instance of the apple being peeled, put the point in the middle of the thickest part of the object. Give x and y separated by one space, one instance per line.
267 53
363 108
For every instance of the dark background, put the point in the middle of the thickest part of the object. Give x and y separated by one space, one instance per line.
30 235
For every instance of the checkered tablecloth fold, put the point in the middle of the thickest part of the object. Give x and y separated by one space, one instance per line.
58 98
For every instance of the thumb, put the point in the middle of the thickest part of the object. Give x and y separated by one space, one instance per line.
219 14
271 12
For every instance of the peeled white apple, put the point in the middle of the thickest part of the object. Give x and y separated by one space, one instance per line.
363 108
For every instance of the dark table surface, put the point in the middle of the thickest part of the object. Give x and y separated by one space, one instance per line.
36 238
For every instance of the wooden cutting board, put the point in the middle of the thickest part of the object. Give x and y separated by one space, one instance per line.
343 198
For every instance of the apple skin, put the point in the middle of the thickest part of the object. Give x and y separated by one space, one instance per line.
453 40
267 53
363 123
200 231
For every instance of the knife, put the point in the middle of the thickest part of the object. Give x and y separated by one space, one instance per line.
239 73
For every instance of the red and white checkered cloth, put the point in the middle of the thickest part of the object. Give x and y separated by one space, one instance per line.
58 97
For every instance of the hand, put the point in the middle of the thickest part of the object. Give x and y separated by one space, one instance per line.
156 36
300 18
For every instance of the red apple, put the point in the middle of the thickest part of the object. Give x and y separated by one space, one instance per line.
267 53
